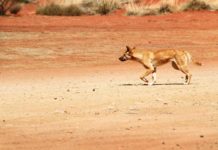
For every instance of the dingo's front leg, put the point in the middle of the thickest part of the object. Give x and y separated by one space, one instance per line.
144 79
154 77
148 72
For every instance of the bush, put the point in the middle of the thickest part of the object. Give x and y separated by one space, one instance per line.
104 7
166 8
50 10
57 10
90 7
7 5
72 10
16 8
196 5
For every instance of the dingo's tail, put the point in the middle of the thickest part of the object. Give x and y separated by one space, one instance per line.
189 59
198 63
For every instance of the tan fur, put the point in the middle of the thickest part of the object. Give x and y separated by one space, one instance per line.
152 59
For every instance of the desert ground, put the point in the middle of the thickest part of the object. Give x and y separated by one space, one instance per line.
63 87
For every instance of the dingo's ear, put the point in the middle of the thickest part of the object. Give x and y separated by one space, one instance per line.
128 48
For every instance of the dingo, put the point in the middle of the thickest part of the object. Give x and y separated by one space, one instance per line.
150 60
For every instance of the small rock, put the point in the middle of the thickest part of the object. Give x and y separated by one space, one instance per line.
177 145
163 143
97 113
68 90
201 136
93 90
69 132
66 112
55 98
165 103
115 110
3 120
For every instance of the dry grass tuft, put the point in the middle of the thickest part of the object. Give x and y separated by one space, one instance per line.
140 10
89 7
196 5
166 8
57 10
104 7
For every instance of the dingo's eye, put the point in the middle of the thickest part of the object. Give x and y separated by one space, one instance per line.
127 53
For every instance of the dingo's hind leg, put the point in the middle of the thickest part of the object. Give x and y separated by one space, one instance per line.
154 75
188 75
182 64
174 65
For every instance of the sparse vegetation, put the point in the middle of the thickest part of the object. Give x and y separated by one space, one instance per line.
89 7
133 7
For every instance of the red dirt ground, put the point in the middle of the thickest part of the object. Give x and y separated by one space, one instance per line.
62 86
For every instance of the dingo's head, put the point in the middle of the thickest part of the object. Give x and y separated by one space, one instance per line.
127 55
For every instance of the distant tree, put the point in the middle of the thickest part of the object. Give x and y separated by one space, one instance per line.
6 5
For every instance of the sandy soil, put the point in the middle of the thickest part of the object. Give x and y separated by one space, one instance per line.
62 86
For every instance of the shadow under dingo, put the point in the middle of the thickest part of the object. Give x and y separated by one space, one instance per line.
141 84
